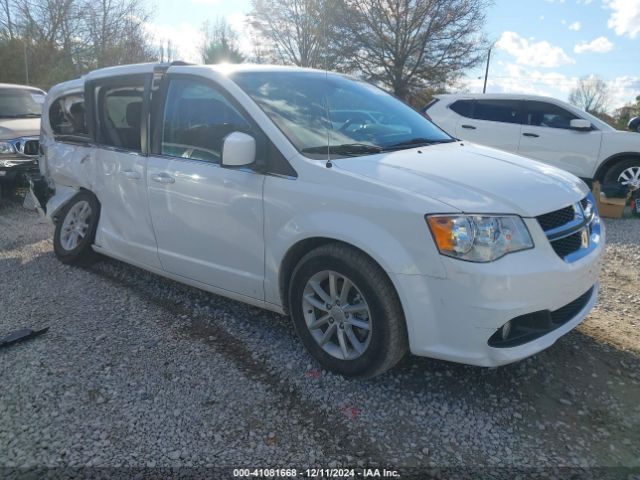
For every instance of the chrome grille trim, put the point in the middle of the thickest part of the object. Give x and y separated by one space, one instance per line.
581 224
20 143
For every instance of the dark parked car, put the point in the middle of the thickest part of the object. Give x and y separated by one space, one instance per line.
20 112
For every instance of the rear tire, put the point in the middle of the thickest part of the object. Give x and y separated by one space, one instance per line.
624 172
363 327
76 230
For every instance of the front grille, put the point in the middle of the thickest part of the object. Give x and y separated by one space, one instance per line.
531 326
31 147
585 203
556 219
567 245
565 227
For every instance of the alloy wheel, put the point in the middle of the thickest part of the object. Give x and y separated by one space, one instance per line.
630 176
337 315
75 225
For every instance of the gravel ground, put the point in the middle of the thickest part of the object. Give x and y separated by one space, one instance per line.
139 371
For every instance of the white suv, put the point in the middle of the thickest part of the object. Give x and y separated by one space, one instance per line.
313 194
544 129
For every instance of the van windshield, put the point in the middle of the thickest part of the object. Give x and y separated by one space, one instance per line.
328 114
20 103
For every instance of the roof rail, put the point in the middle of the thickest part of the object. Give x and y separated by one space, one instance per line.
163 67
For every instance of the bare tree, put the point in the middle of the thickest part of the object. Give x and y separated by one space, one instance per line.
54 40
6 23
412 45
220 43
591 94
295 31
114 31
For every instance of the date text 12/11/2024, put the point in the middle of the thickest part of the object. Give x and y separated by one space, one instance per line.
315 473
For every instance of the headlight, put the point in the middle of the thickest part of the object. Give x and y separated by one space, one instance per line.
477 238
6 148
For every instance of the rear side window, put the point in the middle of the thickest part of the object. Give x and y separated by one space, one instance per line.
543 114
197 118
67 116
463 107
120 115
505 111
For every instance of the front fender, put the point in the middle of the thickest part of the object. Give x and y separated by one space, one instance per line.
394 254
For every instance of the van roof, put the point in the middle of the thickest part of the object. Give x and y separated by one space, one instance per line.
223 67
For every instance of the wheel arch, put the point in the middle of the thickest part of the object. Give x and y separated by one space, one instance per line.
298 250
62 196
613 160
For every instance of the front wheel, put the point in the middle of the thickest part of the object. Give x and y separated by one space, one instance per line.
76 230
346 312
626 173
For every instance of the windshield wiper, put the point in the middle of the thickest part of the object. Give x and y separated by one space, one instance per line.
346 149
416 142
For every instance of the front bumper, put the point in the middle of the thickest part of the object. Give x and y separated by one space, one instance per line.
453 318
14 169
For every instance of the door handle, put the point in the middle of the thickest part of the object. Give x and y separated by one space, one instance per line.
468 127
534 135
130 174
162 178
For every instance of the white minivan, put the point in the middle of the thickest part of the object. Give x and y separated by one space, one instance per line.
323 197
544 129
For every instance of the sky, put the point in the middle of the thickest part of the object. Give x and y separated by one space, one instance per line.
540 46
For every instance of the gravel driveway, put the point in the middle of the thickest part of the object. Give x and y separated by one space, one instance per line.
139 371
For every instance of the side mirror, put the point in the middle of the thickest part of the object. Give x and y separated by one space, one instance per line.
634 124
580 124
238 149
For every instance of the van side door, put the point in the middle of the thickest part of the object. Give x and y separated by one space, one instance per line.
208 218
119 110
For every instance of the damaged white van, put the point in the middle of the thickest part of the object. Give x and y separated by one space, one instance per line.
320 196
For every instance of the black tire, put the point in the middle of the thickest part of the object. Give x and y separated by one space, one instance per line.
82 254
388 336
612 174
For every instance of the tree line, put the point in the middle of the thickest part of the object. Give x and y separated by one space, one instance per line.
410 47
43 42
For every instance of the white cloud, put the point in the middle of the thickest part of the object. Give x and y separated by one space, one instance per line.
584 2
185 39
625 17
240 24
539 54
624 90
597 45
575 26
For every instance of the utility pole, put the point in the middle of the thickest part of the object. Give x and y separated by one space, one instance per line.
486 73
26 64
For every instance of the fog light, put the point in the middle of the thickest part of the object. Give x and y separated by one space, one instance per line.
506 330
3 173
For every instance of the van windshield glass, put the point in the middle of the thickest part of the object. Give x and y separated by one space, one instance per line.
337 116
18 103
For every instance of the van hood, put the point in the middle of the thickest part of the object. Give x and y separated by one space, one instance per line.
472 179
11 128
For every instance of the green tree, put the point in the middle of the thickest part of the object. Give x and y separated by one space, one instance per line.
220 43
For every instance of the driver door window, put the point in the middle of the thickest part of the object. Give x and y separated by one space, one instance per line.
542 114
197 118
